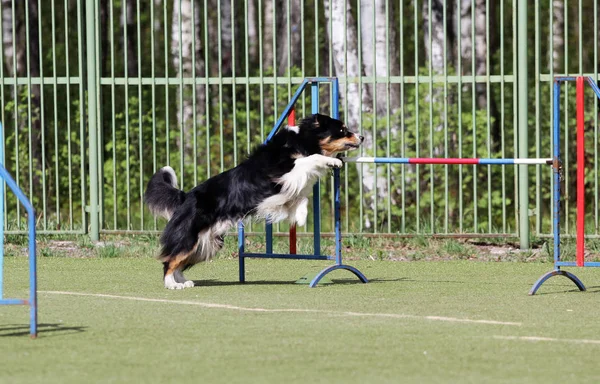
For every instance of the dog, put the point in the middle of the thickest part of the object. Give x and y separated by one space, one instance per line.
272 184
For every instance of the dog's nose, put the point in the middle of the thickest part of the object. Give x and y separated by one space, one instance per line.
362 138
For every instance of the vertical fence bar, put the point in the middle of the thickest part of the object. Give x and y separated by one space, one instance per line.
1 214
580 172
90 34
523 111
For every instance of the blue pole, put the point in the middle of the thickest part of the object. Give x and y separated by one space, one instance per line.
32 251
335 111
556 170
316 188
1 217
241 251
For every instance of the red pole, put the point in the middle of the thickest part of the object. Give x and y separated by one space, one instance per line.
580 174
292 122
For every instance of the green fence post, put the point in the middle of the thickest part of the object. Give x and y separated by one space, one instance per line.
522 80
90 50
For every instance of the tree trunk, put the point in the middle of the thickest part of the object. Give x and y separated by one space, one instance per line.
226 37
435 33
104 43
252 34
12 40
474 55
345 59
182 37
34 70
435 51
289 27
128 19
267 33
558 35
377 33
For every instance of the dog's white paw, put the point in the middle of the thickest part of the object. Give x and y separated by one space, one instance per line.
172 283
174 286
335 163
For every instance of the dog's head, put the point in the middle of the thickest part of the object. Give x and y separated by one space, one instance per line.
328 136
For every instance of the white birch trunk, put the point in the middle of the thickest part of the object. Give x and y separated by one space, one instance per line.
12 40
345 58
226 37
293 43
377 34
267 33
182 35
252 31
558 35
474 53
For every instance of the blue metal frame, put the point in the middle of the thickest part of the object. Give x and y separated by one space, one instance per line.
557 167
314 82
32 301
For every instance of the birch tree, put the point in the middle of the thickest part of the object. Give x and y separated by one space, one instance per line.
252 31
128 19
289 27
558 35
183 55
345 58
268 23
379 51
475 49
226 37
474 44
12 39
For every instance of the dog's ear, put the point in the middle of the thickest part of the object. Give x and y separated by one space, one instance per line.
315 121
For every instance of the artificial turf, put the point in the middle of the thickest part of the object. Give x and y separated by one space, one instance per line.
415 322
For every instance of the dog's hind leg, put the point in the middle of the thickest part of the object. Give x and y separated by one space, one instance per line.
174 278
299 212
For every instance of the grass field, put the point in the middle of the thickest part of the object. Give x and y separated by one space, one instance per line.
108 319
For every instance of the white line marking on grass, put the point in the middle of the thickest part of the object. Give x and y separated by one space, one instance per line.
551 339
293 310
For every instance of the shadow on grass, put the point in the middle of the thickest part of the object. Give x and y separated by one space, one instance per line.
12 330
350 281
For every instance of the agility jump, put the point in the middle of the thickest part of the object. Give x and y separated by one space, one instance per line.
555 162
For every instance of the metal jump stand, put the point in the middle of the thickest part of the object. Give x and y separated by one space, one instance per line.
557 168
554 162
32 301
289 113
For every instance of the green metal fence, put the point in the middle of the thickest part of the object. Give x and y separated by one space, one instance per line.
96 95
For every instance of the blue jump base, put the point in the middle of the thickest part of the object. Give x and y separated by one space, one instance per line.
32 300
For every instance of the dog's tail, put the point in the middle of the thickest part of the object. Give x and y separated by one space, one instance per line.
162 195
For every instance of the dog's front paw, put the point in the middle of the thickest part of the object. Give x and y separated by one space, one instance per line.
335 163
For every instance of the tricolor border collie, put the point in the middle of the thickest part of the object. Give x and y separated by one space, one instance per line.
272 184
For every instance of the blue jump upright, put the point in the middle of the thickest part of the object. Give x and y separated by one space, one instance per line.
557 169
32 300
314 85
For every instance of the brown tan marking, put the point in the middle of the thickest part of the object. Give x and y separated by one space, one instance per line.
330 147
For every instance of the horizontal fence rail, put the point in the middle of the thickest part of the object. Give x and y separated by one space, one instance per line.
97 95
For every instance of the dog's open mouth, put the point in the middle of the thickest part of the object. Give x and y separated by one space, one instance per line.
350 146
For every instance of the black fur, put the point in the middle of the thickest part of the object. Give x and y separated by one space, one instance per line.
233 194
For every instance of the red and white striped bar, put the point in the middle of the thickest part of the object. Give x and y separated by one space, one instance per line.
464 161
